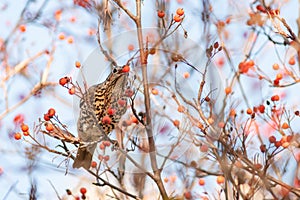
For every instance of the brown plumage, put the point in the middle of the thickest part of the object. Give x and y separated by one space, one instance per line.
102 102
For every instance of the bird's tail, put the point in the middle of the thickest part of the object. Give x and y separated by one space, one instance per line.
84 156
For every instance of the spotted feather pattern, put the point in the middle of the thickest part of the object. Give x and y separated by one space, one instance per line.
93 107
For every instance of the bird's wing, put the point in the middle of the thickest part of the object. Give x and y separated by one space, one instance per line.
88 130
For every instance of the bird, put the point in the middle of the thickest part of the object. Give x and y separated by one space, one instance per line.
101 108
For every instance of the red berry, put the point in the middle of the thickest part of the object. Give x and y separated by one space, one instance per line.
70 39
216 45
77 64
255 109
100 157
17 136
275 66
154 91
263 148
285 125
83 190
272 139
261 108
277 144
176 123
46 117
61 36
25 133
228 90
102 146
228 20
249 111
57 14
177 18
180 11
250 63
24 128
121 102
63 81
204 148
261 8
72 90
125 69
201 181
188 195
186 75
129 92
220 179
106 158
130 47
275 98
51 112
106 143
292 61
152 51
49 127
279 76
22 28
180 109
111 111
289 138
19 119
106 120
160 14
94 164
276 82
134 120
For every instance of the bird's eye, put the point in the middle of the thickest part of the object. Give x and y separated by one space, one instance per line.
115 70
